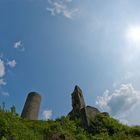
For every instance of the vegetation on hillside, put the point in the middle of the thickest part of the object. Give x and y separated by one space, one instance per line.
13 127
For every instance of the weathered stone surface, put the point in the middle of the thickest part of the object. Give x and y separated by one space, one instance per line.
91 113
31 107
88 115
84 119
77 101
85 113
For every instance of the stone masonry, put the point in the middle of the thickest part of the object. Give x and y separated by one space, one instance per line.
31 107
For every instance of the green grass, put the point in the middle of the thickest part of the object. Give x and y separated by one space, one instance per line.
13 127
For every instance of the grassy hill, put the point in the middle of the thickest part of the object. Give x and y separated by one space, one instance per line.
13 127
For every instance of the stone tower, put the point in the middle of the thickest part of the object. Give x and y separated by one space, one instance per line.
85 113
31 107
77 101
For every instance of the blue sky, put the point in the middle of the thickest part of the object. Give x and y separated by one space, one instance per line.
49 46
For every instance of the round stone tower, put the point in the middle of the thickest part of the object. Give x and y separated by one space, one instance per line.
31 107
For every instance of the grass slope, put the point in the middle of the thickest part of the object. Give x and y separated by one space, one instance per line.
13 127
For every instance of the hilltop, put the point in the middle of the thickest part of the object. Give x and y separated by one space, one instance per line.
83 122
13 127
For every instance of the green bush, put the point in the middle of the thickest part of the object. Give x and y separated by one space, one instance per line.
12 127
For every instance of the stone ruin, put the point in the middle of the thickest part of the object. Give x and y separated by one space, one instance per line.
79 109
31 107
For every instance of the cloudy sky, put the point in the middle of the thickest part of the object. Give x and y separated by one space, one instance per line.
49 46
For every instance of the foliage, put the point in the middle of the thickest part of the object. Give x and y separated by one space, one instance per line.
13 127
110 129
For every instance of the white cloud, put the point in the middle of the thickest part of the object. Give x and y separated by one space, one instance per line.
120 102
18 45
61 7
47 114
5 94
12 63
2 82
2 68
